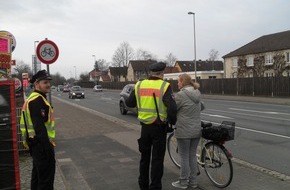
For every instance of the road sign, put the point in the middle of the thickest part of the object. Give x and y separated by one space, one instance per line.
47 52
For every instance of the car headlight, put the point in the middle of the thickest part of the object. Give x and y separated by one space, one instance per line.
73 93
83 93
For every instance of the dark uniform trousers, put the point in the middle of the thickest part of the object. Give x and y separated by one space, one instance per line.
153 140
43 167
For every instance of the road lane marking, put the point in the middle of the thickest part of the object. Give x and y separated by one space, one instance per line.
252 115
220 116
255 131
255 111
262 132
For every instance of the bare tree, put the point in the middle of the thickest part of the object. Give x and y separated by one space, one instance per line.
279 65
84 77
213 55
101 65
22 67
142 54
242 67
123 55
259 68
57 79
170 59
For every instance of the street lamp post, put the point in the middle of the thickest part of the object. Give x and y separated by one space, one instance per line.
94 56
75 72
34 61
194 42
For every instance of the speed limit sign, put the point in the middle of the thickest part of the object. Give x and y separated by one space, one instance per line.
47 52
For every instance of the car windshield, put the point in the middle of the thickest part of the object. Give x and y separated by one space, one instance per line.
76 88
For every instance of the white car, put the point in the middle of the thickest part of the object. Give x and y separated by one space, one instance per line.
124 95
98 88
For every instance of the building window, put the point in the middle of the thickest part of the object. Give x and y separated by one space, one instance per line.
269 74
268 59
250 61
235 62
287 57
212 77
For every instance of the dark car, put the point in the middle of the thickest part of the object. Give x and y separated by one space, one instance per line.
76 92
123 97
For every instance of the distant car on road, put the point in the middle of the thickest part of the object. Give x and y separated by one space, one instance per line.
65 89
98 88
53 88
60 88
76 92
124 95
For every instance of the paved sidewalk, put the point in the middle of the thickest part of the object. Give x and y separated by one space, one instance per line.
113 163
25 164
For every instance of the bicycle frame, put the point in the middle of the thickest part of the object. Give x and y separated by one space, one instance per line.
202 144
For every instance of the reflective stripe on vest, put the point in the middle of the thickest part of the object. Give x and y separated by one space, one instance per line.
49 124
145 101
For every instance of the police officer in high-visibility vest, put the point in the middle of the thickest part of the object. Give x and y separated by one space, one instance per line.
37 127
156 108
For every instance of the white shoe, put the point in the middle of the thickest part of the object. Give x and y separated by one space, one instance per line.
194 186
179 184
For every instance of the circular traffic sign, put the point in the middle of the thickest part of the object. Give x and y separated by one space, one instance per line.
47 52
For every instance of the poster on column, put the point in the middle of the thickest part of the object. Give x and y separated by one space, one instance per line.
7 46
5 57
9 162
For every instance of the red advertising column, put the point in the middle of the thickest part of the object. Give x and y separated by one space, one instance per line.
9 163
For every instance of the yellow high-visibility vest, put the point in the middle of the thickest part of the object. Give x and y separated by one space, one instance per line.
49 124
145 101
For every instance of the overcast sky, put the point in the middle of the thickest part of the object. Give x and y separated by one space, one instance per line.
82 28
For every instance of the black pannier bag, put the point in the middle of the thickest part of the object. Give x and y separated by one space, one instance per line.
223 132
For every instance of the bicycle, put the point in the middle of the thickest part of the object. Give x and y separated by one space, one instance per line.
213 157
47 51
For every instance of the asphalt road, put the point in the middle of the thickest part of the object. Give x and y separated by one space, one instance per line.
262 130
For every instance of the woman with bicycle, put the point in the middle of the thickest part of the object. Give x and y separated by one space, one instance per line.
188 130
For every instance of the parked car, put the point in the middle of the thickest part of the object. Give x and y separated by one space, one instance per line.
124 95
98 88
60 88
53 88
76 92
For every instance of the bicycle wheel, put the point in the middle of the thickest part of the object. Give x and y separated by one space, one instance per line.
217 165
43 54
173 149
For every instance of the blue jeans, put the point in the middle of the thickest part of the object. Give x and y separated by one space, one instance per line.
187 151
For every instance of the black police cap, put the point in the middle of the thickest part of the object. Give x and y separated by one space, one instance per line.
157 67
40 75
